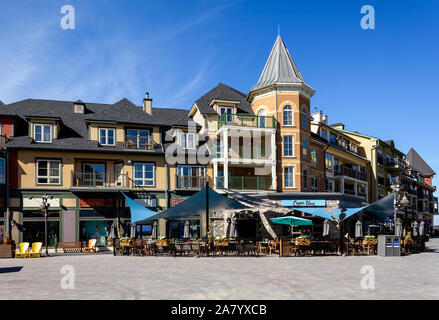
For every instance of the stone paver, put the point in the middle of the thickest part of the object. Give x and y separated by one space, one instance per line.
106 277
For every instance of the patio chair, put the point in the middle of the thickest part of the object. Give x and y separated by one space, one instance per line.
179 248
36 250
196 248
139 247
187 248
22 250
91 246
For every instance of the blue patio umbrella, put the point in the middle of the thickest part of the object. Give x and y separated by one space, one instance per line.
292 221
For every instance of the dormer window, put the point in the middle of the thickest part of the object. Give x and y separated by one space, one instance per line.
187 140
106 137
43 133
228 111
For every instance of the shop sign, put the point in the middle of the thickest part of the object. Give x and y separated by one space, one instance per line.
303 203
36 202
92 203
174 202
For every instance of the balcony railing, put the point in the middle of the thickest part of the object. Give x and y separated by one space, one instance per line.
191 182
246 183
99 180
246 120
349 172
139 142
344 144
362 194
349 191
395 164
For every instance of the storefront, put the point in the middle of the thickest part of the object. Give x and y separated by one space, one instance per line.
33 226
176 228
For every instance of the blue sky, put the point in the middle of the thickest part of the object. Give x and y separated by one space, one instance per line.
381 82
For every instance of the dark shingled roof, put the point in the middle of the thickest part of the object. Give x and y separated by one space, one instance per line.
5 111
74 133
418 163
223 92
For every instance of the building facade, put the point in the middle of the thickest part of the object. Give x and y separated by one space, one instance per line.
89 156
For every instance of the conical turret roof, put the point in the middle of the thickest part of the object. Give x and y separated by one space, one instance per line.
279 68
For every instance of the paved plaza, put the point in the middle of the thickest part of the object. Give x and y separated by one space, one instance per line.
103 276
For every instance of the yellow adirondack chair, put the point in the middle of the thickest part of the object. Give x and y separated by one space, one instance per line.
36 250
22 250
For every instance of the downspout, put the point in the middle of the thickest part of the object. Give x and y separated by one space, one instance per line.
166 173
374 163
7 193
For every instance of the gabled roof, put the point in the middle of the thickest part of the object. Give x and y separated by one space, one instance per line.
74 132
279 68
418 163
223 92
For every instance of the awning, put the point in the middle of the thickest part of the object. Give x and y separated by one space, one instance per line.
195 206
292 221
331 213
381 209
138 212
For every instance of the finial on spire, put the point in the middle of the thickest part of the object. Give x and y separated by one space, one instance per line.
278 29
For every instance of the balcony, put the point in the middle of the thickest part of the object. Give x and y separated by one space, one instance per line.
246 120
395 164
245 183
349 172
139 142
190 182
344 144
85 180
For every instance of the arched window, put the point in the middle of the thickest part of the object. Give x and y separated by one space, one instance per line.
304 119
288 116
261 119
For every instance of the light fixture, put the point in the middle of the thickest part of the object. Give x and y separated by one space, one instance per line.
404 202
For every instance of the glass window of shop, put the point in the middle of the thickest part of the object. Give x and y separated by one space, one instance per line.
144 230
176 229
96 224
34 227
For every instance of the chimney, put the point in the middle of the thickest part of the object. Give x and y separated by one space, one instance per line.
319 117
147 104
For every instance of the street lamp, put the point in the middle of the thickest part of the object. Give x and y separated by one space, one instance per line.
403 203
44 207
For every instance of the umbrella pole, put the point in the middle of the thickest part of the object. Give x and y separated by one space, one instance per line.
207 217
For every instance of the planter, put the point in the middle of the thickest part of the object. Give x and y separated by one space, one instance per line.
7 250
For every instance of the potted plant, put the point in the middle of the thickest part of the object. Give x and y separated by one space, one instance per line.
371 240
7 247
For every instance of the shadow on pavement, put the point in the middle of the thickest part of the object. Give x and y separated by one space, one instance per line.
10 269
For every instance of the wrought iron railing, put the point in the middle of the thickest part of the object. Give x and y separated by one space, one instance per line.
349 172
191 182
246 120
139 142
245 183
99 180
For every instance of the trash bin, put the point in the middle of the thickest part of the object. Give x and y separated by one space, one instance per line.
389 246
284 249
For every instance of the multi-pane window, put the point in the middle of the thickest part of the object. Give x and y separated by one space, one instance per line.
187 140
190 177
329 163
332 138
43 133
304 119
106 136
305 178
289 177
329 186
288 116
305 148
138 139
228 111
94 174
144 174
48 171
324 134
288 146
314 184
261 119
2 170
313 153
380 156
